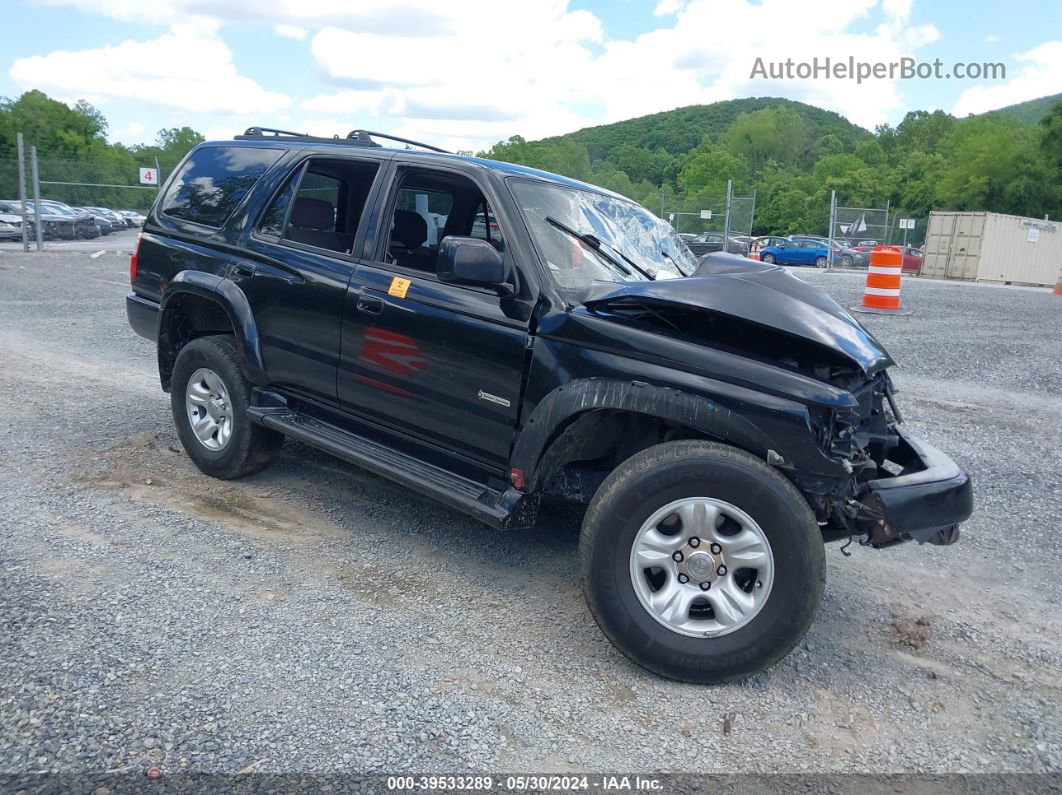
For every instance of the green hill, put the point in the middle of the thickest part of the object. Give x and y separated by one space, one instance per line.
682 129
1030 111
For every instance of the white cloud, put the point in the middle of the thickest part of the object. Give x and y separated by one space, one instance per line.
135 128
188 68
991 38
1042 76
455 70
290 31
667 7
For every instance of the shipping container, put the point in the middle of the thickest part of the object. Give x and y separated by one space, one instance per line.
992 247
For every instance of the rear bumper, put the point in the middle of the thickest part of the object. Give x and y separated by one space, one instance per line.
926 503
143 316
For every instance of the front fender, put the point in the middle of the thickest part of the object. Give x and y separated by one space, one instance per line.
231 299
752 421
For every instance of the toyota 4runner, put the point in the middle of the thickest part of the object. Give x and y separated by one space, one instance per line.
488 334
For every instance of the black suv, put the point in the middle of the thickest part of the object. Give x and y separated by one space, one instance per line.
489 334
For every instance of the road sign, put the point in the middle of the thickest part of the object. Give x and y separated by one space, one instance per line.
706 215
149 176
907 223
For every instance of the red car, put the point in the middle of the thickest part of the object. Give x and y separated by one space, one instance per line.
912 257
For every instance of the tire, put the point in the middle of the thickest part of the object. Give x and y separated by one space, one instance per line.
247 447
769 259
675 473
846 261
821 262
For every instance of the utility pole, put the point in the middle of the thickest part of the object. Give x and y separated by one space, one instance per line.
36 176
833 220
726 223
22 190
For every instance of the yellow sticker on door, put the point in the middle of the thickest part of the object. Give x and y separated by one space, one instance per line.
398 287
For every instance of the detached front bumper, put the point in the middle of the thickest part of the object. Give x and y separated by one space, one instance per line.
924 503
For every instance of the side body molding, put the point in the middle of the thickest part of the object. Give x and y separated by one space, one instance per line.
231 299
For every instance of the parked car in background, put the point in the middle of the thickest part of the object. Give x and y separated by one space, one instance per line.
850 257
797 252
10 226
708 242
912 259
757 244
84 222
53 225
867 243
118 221
687 236
104 224
133 217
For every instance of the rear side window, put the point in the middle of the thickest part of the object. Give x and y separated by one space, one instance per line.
321 204
214 180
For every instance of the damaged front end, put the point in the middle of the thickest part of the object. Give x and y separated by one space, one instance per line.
870 478
899 489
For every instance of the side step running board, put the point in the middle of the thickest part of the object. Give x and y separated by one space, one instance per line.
498 509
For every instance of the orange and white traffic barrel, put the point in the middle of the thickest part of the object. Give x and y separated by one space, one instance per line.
1058 285
881 295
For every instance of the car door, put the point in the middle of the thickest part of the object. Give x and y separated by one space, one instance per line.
442 363
295 266
784 253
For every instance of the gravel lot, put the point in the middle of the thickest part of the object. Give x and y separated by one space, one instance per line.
316 618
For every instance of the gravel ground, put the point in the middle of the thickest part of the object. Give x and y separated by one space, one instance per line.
316 618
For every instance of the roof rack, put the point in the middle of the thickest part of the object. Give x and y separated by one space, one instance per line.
353 138
364 135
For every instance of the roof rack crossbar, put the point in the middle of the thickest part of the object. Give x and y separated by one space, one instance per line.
354 137
261 131
361 135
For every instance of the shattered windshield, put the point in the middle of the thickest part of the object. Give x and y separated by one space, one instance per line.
587 237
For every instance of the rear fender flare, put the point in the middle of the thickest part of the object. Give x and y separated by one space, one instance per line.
231 299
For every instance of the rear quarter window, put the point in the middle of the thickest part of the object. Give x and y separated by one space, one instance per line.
214 180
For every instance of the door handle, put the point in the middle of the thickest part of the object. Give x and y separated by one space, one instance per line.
371 306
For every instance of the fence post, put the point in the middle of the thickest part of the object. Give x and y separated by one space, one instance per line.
829 236
726 223
36 177
22 190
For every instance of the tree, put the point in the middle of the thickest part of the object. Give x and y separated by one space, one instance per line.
769 134
708 169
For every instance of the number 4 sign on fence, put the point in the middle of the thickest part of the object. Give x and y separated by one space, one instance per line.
149 176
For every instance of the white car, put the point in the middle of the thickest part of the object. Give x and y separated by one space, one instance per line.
10 226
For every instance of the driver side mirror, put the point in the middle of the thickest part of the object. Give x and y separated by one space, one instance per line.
469 260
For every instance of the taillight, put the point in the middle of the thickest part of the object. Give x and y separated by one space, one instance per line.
132 259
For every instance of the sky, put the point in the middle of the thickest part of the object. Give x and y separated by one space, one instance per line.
464 74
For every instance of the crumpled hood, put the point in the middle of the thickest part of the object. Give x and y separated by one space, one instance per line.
764 294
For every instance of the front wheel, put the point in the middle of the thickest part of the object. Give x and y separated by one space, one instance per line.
820 262
700 562
846 261
768 258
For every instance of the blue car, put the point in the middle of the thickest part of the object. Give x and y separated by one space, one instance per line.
797 252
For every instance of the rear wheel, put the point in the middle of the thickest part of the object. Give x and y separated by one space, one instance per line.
209 398
700 562
846 261
820 262
768 258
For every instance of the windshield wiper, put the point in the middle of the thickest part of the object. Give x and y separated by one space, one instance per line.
677 267
596 244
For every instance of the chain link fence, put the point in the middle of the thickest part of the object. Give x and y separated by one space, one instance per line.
70 190
710 213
